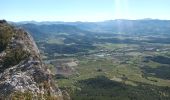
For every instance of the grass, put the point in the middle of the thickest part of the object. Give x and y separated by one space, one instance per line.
124 66
89 69
129 75
53 40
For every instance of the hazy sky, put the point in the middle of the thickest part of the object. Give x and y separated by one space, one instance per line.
83 10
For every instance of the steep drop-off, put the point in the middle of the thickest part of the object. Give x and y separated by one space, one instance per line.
23 76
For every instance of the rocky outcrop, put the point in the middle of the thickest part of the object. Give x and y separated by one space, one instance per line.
22 73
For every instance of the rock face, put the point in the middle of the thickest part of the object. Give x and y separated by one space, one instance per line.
22 73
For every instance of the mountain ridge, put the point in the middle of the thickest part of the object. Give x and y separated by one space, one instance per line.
123 26
22 74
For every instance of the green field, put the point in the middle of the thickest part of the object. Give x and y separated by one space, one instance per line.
108 66
95 76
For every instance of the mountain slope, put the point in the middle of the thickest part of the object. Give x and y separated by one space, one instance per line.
22 73
42 31
123 26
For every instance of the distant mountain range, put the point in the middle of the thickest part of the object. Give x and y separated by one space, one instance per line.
121 26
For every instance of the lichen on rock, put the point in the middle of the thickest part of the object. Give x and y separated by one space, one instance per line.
22 73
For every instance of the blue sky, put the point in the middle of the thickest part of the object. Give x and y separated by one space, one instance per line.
83 10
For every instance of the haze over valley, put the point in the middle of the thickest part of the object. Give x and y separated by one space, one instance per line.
95 59
84 50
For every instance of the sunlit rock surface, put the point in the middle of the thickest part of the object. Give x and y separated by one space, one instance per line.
22 73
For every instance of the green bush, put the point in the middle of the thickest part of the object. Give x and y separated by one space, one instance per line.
14 57
5 36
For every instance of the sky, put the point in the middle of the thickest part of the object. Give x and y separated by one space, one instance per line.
83 10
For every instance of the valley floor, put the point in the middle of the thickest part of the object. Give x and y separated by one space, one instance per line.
119 71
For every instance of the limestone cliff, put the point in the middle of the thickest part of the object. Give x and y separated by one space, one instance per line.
22 73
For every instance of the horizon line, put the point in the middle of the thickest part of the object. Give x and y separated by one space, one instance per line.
82 20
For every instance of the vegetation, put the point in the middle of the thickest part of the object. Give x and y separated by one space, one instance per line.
14 57
5 36
102 88
113 64
29 96
13 43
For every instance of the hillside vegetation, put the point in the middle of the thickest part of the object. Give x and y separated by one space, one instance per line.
23 76
6 34
110 60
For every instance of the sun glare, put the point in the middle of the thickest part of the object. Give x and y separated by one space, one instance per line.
121 9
